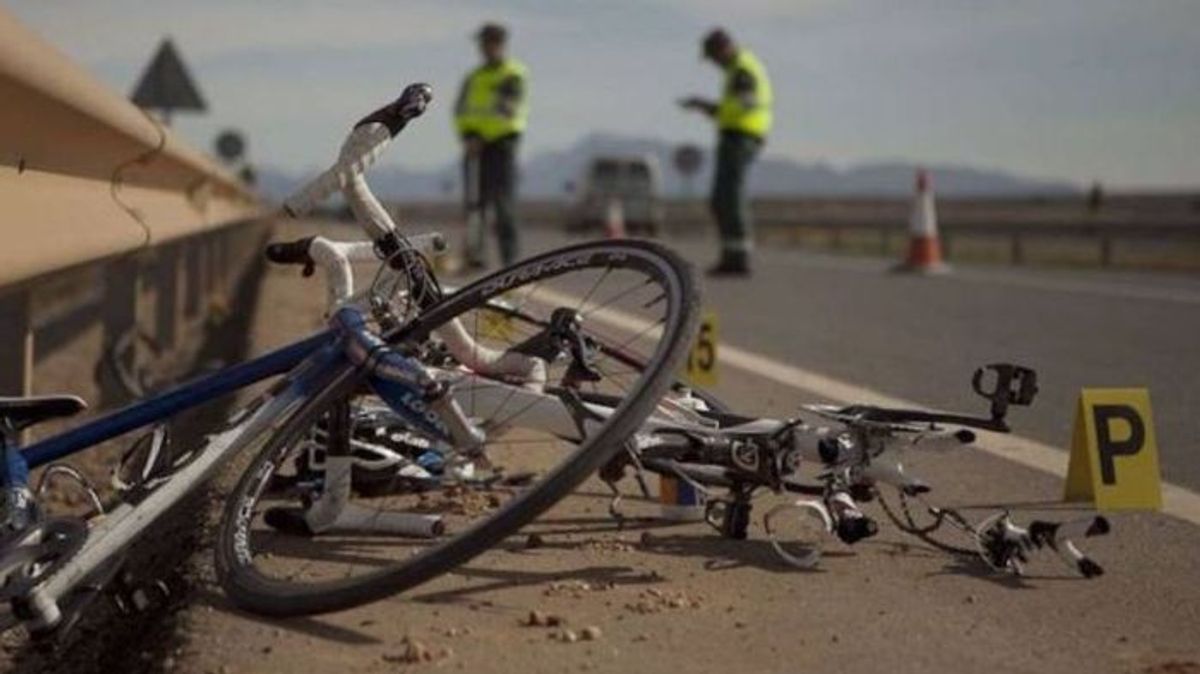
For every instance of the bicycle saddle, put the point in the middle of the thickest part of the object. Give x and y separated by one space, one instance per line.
19 413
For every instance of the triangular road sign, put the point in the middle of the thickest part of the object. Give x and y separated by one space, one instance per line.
166 84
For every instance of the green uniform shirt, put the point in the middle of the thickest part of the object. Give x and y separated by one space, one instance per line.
492 103
745 104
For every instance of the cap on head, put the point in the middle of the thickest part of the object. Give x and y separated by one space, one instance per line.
715 42
492 32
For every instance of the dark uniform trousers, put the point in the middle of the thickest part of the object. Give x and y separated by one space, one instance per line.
494 196
735 152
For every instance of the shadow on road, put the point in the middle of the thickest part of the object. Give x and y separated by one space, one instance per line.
313 627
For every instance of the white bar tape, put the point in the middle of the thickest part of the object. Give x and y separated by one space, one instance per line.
361 148
335 257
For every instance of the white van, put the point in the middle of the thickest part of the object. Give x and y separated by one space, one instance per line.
633 180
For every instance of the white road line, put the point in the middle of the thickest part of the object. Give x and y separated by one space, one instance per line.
1177 501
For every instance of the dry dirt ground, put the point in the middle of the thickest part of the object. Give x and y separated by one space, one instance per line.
653 597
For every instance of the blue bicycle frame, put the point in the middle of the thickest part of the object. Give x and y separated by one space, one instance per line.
324 345
349 341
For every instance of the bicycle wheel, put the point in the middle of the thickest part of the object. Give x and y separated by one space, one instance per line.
541 442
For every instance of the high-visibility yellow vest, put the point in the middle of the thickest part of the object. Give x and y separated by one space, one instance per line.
479 110
732 114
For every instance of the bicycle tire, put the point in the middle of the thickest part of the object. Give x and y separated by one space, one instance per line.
251 590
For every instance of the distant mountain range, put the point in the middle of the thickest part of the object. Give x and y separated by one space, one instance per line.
545 174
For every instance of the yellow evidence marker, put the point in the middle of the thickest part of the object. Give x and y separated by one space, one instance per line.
495 325
1114 455
701 368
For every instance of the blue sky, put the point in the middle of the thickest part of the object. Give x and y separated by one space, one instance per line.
1084 89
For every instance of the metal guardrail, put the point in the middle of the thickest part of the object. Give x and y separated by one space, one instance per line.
107 218
84 174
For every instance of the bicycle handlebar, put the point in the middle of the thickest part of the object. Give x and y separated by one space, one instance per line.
335 257
361 148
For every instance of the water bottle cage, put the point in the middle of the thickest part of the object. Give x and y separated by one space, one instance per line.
147 464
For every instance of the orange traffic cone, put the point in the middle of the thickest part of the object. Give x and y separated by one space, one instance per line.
614 219
924 248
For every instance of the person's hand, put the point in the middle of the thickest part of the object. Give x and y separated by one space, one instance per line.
696 103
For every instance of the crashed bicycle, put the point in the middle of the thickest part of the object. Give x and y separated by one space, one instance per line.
296 538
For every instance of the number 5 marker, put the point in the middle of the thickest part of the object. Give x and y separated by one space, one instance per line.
702 360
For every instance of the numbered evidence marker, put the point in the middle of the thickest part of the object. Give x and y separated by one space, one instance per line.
495 325
1114 456
702 360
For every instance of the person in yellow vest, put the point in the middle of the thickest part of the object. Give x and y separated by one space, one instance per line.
490 116
743 119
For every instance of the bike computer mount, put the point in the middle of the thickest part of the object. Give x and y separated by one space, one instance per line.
1012 385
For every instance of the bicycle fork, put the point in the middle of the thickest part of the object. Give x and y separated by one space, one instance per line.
423 401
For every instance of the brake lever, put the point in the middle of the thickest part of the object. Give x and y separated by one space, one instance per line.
294 253
413 101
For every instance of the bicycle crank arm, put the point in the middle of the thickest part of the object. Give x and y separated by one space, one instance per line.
334 512
1058 536
355 518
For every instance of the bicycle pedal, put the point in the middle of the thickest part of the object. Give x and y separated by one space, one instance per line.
130 596
1089 568
851 530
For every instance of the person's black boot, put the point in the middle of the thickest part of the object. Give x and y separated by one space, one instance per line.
732 264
